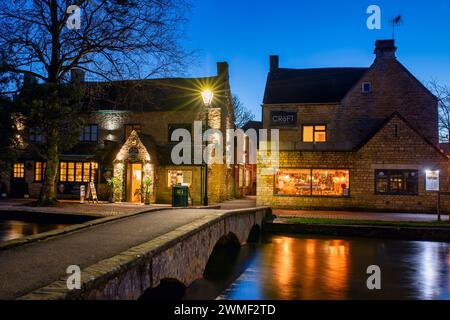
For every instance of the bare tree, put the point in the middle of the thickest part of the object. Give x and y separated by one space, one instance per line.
109 39
442 92
241 114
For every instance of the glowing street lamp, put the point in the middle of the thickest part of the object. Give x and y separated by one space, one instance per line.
207 96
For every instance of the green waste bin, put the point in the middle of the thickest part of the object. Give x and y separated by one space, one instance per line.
180 195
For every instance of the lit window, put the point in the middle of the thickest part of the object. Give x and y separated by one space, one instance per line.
308 133
293 182
94 171
71 171
396 182
315 133
78 171
175 177
312 182
39 170
330 182
19 170
63 171
89 133
366 87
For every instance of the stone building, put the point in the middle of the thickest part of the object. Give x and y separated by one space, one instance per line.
352 138
128 136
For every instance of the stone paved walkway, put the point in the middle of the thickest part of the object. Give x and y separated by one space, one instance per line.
358 215
102 209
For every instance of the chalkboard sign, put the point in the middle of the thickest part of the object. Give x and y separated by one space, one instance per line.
283 118
92 193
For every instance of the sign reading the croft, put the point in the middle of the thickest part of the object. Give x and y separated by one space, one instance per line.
283 118
432 180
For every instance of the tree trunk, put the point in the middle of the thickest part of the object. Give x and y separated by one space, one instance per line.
48 192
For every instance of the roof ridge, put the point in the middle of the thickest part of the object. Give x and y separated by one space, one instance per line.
320 68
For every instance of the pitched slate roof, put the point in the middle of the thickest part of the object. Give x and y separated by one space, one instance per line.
321 85
153 94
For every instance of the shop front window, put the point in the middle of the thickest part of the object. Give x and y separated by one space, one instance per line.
312 182
330 182
175 177
78 171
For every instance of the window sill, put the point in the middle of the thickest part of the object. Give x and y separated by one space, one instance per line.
395 194
308 196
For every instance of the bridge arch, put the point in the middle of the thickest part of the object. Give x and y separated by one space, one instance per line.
168 289
254 234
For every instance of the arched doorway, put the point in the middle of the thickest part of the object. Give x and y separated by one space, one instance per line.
134 172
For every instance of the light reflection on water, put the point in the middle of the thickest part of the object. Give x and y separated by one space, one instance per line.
314 267
14 229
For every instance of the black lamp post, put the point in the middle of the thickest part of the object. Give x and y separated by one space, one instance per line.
207 96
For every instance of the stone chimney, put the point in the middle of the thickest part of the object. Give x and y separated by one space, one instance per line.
385 49
77 75
222 70
274 61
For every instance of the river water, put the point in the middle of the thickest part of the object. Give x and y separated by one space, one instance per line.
309 267
324 267
14 229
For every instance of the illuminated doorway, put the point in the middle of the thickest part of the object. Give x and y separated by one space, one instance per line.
134 180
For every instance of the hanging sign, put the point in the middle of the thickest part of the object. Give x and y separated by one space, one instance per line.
432 180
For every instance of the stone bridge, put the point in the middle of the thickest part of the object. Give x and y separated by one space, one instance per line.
181 254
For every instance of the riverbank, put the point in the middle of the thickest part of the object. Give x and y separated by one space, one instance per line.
407 230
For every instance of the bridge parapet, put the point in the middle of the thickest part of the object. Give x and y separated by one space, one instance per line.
181 254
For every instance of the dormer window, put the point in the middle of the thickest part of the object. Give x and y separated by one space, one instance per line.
366 87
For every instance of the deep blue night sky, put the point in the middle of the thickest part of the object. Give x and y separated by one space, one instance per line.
309 34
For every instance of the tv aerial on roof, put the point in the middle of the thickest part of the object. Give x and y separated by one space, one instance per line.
396 21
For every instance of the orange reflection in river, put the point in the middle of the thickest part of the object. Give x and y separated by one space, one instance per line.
325 264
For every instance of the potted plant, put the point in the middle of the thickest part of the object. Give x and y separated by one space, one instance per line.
146 187
113 184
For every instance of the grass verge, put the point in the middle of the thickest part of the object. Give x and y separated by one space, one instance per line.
431 224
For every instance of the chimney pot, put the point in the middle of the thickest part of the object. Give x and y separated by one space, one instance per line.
385 49
274 62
